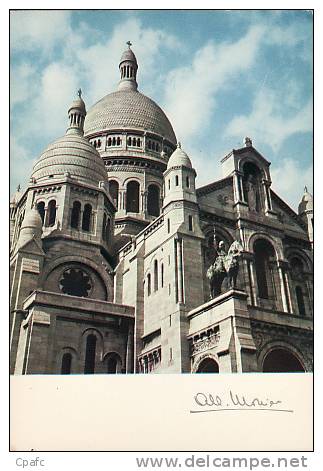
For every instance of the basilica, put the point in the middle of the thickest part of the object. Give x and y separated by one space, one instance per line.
120 264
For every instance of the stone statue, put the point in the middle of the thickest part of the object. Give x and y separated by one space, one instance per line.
226 265
252 194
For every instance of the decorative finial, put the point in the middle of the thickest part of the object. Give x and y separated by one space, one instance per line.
247 142
79 92
18 187
305 189
179 145
129 43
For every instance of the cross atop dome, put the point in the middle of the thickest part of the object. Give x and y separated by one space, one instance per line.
129 43
79 92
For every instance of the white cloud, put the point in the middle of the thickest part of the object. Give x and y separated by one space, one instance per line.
40 30
23 83
296 178
268 122
191 91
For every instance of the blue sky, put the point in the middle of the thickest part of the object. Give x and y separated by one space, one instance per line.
219 76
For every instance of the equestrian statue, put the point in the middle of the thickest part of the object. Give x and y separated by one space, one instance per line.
225 266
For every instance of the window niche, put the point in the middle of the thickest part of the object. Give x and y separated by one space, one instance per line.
252 187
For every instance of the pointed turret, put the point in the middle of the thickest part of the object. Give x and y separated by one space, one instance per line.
76 116
128 67
306 212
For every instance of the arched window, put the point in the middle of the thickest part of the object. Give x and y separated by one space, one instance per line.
190 223
129 141
99 143
149 144
300 301
41 210
153 200
138 142
89 366
148 284
109 142
86 221
176 180
104 227
114 191
153 145
188 182
264 260
113 141
155 275
118 141
168 226
134 141
75 215
66 364
51 212
112 365
132 205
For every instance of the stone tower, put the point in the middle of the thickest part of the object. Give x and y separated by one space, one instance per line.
63 316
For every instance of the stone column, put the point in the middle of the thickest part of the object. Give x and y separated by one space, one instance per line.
253 281
283 286
180 278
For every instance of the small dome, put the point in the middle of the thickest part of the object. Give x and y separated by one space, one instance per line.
128 55
32 220
306 203
16 196
78 103
31 227
179 157
71 154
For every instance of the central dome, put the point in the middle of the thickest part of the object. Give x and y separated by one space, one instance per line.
128 109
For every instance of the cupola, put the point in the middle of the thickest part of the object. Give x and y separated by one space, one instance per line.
128 67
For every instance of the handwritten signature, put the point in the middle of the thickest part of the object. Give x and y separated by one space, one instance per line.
232 401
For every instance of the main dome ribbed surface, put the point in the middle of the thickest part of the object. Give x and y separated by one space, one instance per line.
73 154
128 109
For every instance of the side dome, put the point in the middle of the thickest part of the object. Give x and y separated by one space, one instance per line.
128 109
179 158
306 203
71 155
31 227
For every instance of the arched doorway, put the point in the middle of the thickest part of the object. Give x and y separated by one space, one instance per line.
208 365
280 360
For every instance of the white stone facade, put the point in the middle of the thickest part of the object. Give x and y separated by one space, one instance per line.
111 242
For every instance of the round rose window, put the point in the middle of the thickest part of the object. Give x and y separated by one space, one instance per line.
75 282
